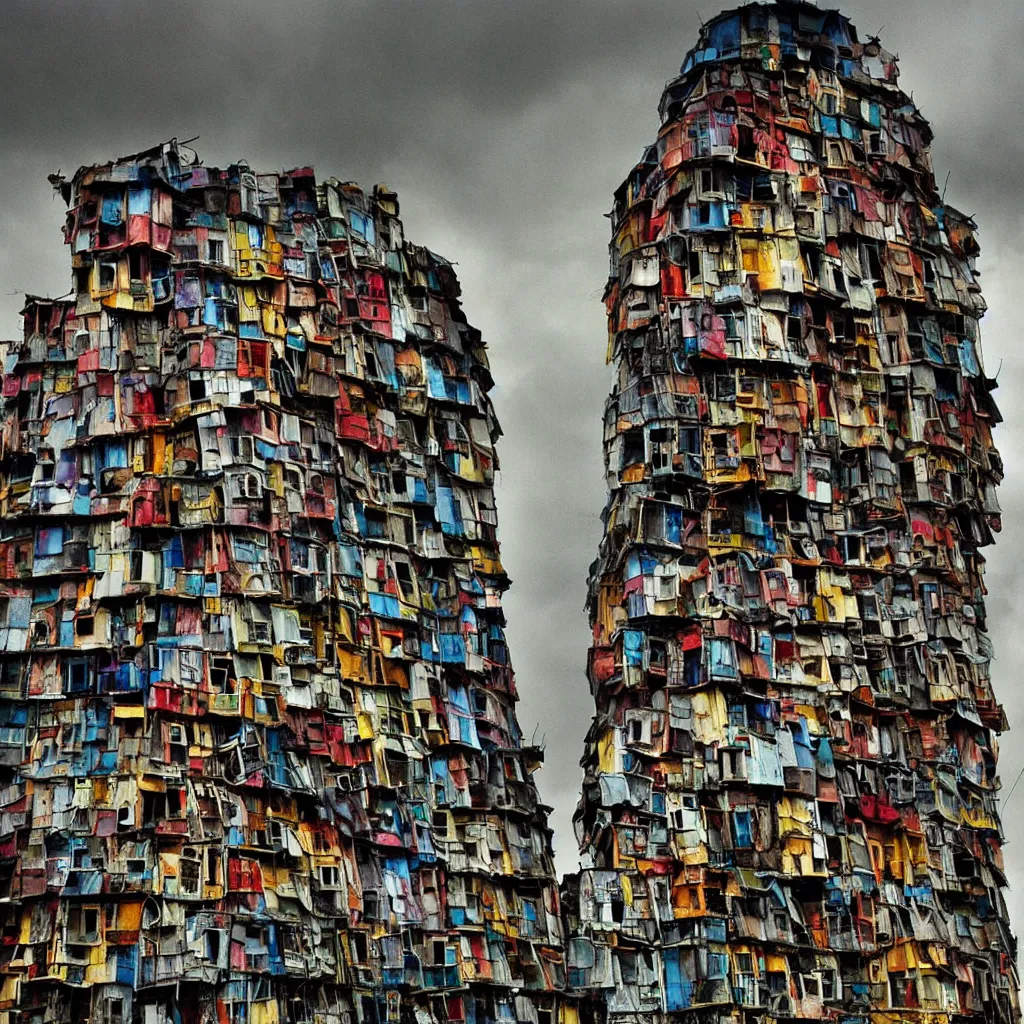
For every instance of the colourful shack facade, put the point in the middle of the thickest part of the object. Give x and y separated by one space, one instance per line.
259 754
789 805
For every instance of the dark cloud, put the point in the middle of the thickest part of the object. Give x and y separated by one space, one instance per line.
505 128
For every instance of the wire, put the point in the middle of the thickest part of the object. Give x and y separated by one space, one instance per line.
1020 774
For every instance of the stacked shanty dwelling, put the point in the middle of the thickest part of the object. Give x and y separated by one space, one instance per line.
789 805
259 757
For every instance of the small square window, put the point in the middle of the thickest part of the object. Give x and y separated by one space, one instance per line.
108 275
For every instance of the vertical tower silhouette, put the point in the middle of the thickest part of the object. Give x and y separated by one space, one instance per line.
789 804
259 758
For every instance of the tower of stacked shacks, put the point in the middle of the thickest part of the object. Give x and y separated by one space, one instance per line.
259 759
789 804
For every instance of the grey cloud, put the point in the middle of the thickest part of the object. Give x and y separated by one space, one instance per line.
505 127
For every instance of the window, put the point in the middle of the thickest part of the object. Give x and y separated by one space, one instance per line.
212 944
734 324
251 549
901 991
405 579
829 985
76 675
662 446
188 872
734 764
108 275
741 829
177 743
242 449
83 925
800 148
633 447
213 865
135 566
259 632
812 262
248 485
725 449
113 1011
371 905
135 272
216 250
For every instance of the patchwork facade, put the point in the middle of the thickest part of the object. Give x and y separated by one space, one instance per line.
258 746
789 806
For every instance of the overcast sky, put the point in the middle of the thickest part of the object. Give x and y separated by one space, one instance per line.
505 128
